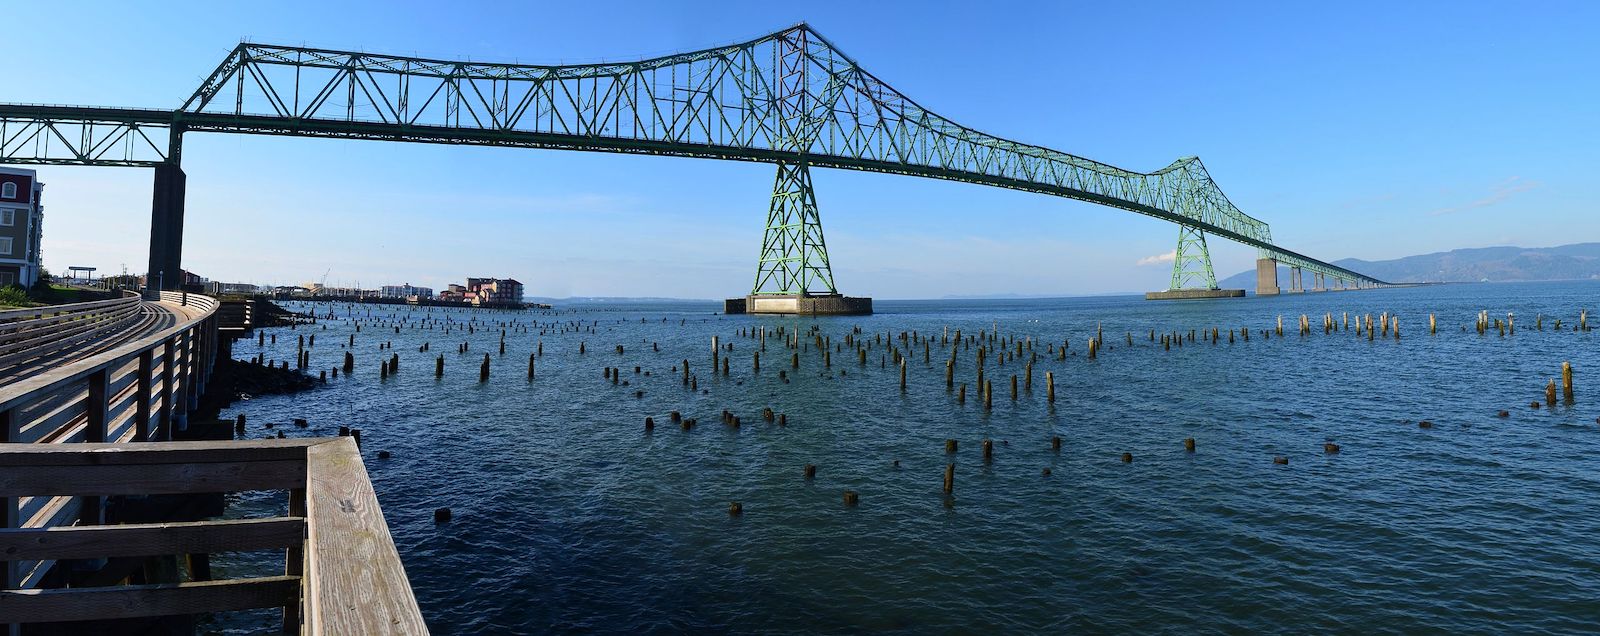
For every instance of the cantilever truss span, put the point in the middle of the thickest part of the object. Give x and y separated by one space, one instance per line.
790 98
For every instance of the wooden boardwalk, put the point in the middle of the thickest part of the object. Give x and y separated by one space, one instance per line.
91 433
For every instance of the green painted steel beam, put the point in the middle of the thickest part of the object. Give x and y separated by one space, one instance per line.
790 98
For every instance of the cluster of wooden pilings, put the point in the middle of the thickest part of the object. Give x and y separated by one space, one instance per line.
972 361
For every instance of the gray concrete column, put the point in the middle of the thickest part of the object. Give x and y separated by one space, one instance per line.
166 228
1266 277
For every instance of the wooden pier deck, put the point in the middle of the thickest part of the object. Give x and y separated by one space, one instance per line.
342 574
99 506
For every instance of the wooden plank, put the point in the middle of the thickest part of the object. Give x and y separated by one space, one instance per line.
191 452
355 582
151 479
131 601
151 539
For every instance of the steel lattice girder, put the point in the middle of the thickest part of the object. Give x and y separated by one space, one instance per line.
92 137
794 256
1191 261
790 96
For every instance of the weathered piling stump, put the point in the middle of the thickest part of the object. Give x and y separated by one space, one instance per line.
1566 382
1550 393
1055 443
1188 444
441 515
949 446
483 369
735 508
810 471
988 450
851 498
1281 460
1127 458
1330 448
949 478
238 423
349 362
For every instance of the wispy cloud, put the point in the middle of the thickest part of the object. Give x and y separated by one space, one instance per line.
1158 258
1501 191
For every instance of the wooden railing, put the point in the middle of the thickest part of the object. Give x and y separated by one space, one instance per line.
137 391
236 316
342 574
39 332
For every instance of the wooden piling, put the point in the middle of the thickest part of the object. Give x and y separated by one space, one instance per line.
1566 382
483 370
988 450
1188 444
949 478
1050 385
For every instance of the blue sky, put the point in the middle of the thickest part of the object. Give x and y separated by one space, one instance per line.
1369 130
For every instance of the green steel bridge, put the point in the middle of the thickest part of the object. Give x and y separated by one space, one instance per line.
790 98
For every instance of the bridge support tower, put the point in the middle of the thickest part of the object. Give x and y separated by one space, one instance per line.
793 275
166 219
1267 277
1192 275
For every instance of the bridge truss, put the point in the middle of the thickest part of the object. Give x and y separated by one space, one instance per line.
790 98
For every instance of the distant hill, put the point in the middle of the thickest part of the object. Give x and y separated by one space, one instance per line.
1499 264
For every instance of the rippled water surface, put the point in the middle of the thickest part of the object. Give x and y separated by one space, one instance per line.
571 517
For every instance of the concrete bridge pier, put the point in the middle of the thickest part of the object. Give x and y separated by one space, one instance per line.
166 228
1319 281
1296 281
1267 277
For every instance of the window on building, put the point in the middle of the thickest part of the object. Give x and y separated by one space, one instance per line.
8 190
7 279
5 246
8 217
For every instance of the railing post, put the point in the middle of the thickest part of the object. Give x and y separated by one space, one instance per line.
191 390
168 353
92 511
11 574
95 408
294 564
141 412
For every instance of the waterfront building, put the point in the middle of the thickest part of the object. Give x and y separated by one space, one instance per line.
21 226
405 291
494 291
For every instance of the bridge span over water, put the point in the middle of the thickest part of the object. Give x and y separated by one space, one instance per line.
790 98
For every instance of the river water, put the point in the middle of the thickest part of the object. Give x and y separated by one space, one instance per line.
570 517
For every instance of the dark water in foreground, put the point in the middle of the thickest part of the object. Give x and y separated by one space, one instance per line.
569 517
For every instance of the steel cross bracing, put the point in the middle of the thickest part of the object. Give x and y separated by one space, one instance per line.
733 102
1191 262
